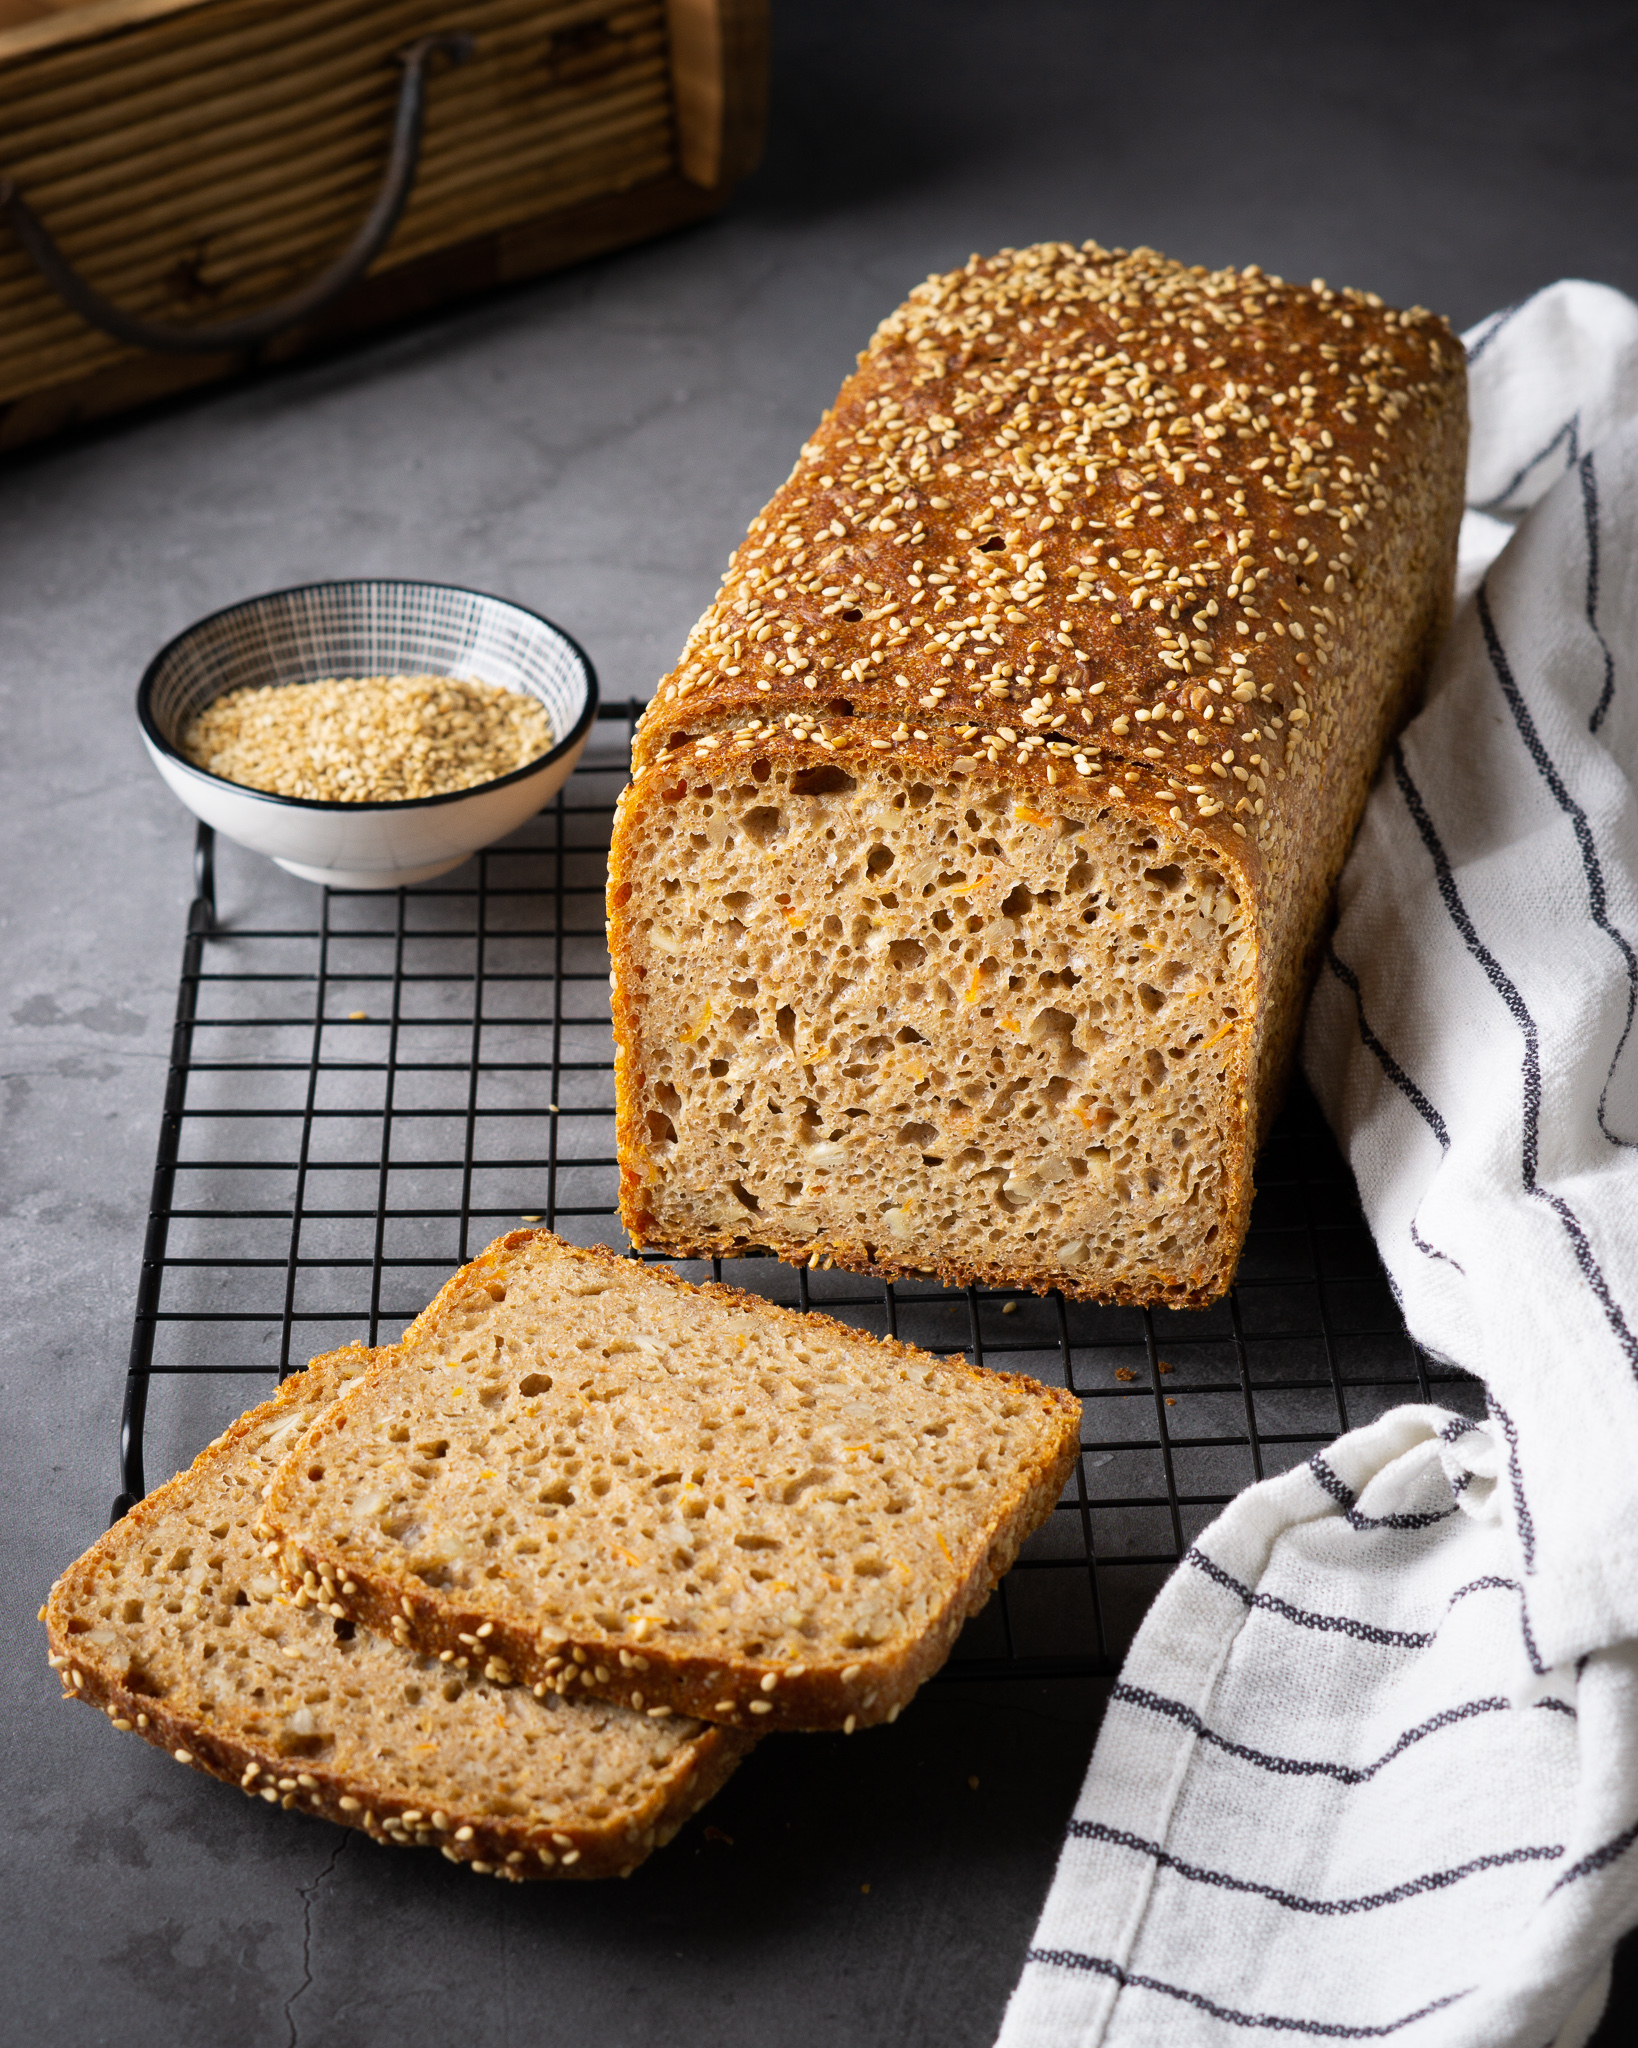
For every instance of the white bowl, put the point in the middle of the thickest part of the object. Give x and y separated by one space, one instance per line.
368 628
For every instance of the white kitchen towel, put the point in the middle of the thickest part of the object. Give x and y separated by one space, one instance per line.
1371 1769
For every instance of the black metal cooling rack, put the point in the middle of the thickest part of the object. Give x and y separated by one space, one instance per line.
365 1087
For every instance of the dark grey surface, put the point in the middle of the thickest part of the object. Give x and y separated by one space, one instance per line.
593 445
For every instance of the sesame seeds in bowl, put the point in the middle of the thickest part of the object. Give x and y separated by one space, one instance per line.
407 757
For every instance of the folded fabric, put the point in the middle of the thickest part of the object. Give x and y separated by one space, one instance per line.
1371 1770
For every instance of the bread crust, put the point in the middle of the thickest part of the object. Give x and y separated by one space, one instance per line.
1252 727
757 1696
491 1845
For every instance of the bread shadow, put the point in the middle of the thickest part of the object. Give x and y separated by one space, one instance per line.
874 1889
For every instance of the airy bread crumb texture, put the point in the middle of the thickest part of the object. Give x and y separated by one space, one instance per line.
680 1498
176 1627
1064 658
945 1026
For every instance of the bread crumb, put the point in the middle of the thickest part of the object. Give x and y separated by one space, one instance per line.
1124 1372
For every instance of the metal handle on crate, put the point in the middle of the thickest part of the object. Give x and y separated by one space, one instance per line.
396 183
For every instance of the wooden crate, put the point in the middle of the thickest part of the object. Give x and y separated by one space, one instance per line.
197 159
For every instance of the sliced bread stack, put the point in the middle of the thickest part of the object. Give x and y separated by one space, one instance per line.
176 1627
646 1520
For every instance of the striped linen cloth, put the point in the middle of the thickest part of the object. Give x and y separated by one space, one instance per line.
1371 1770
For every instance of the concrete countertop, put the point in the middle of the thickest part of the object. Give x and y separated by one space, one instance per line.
593 445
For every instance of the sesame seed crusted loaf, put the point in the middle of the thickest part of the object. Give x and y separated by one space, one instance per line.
173 1624
683 1498
977 853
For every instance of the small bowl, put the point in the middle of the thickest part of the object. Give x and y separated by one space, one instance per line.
370 627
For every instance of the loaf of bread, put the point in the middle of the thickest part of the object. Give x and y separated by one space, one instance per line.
965 895
617 1485
174 1625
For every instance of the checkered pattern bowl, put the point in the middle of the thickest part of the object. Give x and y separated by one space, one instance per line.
367 628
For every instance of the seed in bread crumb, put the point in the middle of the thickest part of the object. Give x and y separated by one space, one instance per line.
358 1016
367 739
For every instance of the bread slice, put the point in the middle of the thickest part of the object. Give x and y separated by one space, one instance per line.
683 1498
964 900
174 1625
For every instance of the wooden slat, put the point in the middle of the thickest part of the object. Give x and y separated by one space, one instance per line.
450 274
618 163
295 152
520 188
286 57
294 158
56 360
62 23
245 138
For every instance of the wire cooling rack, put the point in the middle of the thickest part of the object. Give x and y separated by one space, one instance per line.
366 1087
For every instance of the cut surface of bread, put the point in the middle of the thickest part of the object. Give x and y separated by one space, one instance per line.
997 1042
683 1498
977 852
174 1625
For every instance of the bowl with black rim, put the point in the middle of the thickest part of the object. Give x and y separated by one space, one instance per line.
368 627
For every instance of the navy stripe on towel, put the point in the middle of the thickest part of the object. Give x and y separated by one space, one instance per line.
1327 1624
1345 1495
1278 2023
1596 1859
1589 511
1299 1766
1591 866
1504 986
1570 433
1412 1888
